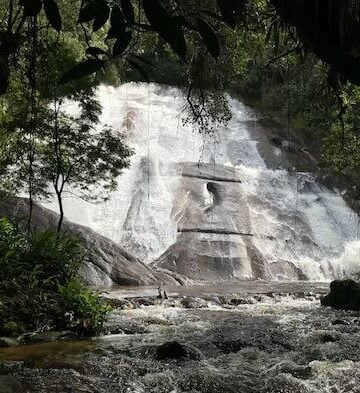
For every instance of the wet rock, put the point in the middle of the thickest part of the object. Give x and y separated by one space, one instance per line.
340 322
145 301
259 298
10 367
289 367
114 330
123 304
344 295
329 338
110 264
126 327
171 350
189 302
286 383
8 342
232 346
9 384
243 300
47 337
270 295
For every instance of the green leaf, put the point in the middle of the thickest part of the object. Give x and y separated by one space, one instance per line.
31 7
87 13
53 14
103 12
83 69
166 26
122 43
92 50
139 69
209 38
128 11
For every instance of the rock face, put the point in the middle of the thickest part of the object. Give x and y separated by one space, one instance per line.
246 201
109 263
344 295
213 226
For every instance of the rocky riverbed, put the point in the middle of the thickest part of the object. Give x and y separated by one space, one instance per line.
201 341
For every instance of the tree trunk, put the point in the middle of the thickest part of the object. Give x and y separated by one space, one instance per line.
61 211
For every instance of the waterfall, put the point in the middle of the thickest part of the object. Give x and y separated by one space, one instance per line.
222 205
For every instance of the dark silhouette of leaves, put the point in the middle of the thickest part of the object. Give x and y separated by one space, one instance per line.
31 7
184 22
228 11
53 14
87 13
103 12
117 22
82 69
4 81
167 26
122 43
128 11
92 50
209 38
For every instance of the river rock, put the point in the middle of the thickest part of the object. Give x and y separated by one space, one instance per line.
344 295
9 384
171 350
191 302
47 337
8 342
340 322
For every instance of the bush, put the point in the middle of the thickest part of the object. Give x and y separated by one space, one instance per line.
38 287
85 309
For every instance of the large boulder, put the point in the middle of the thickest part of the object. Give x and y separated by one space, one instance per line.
178 351
109 263
171 350
344 295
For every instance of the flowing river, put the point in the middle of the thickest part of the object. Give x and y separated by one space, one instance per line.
238 337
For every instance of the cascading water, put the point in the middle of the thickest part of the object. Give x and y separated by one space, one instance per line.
223 205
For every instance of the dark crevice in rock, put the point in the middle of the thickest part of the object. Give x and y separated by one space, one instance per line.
213 231
214 178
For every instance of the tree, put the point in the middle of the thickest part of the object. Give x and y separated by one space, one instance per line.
329 28
40 145
73 153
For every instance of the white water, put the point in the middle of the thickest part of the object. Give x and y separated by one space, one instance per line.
294 220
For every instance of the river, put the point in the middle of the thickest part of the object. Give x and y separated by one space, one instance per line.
238 337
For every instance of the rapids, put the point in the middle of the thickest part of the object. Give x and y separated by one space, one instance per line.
258 342
244 202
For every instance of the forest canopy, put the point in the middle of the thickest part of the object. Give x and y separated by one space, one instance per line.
328 28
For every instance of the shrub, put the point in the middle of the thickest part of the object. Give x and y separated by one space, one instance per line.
85 309
38 287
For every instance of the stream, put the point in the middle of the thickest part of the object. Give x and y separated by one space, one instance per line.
260 336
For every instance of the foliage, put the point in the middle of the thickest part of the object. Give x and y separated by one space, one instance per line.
38 287
85 309
41 146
